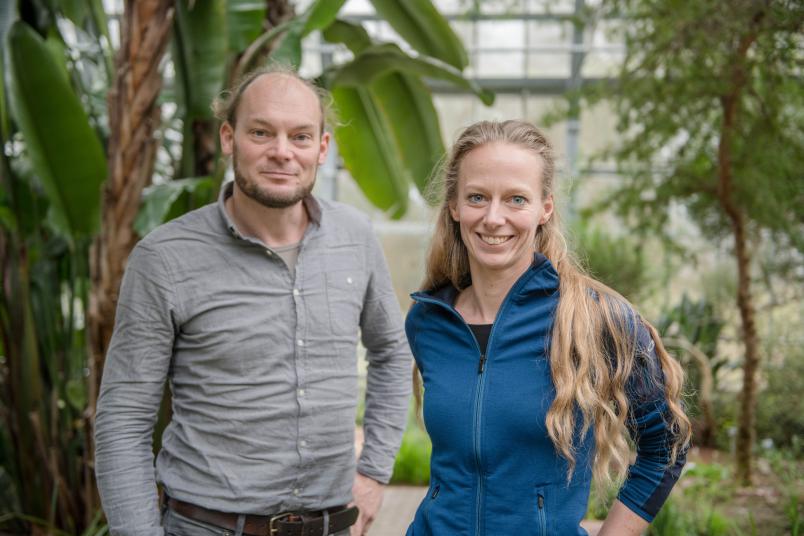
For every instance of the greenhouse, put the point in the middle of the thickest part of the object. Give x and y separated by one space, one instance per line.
232 231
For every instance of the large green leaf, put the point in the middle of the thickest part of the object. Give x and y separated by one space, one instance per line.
65 153
379 60
427 31
289 49
408 107
317 16
406 103
366 145
8 14
353 35
320 14
202 47
245 20
163 202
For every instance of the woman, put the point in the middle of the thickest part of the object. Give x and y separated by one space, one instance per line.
536 376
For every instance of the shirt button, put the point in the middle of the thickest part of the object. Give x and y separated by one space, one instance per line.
303 443
301 392
349 280
300 342
296 492
296 292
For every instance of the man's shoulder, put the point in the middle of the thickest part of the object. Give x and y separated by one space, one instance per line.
337 213
342 222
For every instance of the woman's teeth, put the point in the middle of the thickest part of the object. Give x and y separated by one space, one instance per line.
494 240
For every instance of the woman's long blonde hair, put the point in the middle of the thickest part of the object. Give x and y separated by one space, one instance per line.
591 321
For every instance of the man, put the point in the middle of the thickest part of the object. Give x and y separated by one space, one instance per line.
251 307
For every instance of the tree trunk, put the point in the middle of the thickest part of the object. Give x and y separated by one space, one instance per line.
746 430
133 118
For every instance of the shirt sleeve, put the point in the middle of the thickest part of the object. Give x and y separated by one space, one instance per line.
388 382
650 478
136 367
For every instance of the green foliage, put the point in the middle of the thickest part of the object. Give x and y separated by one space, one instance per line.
683 61
412 464
64 152
780 408
163 202
600 501
421 25
617 261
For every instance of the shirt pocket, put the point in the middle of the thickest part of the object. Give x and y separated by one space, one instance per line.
346 288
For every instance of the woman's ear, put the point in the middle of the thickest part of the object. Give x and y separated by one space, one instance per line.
453 211
547 209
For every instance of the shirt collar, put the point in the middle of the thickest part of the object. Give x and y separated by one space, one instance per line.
311 204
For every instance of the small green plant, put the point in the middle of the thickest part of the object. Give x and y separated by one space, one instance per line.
600 501
412 465
670 521
792 510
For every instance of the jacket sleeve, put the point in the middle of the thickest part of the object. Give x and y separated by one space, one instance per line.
650 478
388 386
131 390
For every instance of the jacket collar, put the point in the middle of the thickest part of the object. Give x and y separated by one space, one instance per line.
539 279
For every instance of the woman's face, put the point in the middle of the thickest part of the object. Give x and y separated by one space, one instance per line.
499 206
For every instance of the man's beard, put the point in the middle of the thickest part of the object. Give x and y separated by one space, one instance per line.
264 196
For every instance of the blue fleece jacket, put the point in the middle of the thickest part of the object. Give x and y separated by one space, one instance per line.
494 470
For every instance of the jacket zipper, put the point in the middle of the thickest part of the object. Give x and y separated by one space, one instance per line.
481 367
478 401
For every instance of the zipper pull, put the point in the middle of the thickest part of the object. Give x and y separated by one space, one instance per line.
482 364
541 502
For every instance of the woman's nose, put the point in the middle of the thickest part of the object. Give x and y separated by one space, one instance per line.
494 214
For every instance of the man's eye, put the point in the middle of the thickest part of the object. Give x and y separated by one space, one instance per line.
475 198
259 132
304 137
518 200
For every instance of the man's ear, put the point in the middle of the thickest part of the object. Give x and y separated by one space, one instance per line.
226 134
323 148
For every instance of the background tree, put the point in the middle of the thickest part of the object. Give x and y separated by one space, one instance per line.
709 108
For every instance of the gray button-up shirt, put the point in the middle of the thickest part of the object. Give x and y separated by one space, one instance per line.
262 367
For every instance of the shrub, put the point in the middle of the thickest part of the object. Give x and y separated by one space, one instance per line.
412 465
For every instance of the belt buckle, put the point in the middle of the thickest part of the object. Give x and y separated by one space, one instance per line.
279 517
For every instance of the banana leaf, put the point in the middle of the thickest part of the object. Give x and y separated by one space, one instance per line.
201 52
424 28
379 60
369 153
244 21
65 153
163 202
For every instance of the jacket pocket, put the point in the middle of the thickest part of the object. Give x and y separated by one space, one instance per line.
432 496
541 511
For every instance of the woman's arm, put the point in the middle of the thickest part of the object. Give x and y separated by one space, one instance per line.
654 472
622 522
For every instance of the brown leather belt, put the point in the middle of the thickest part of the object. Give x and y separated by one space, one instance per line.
285 524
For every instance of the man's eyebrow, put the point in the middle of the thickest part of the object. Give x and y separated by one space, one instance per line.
265 122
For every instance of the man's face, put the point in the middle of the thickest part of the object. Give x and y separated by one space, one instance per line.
276 144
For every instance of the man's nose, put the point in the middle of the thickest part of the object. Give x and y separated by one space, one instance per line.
280 148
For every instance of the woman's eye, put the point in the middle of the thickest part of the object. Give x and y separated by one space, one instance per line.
518 200
475 198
